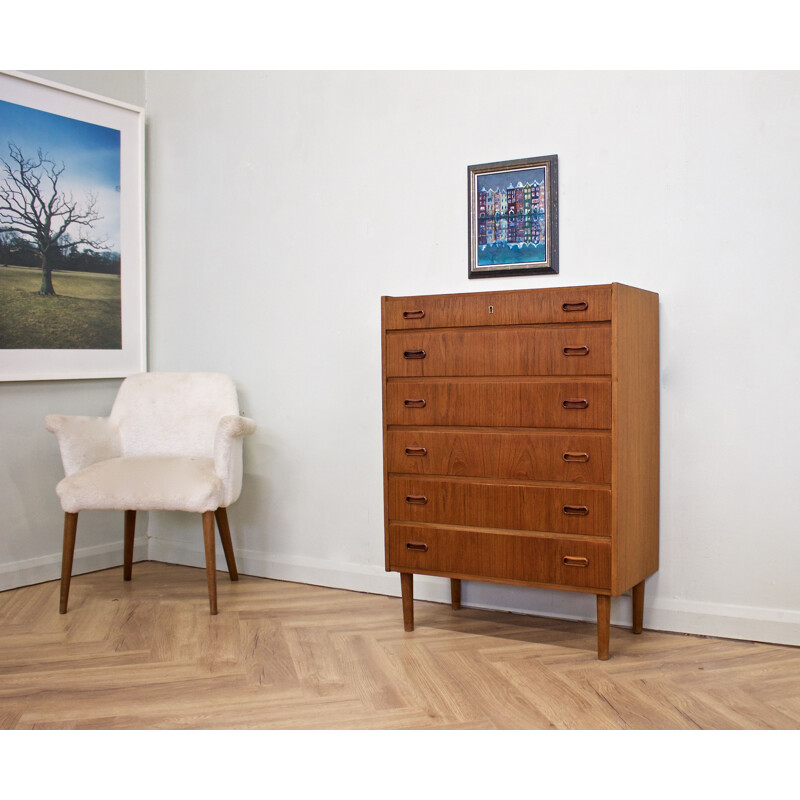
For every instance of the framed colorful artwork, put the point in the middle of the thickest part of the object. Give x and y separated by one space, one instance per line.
513 217
72 268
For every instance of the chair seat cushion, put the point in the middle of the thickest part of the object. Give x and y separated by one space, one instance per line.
143 484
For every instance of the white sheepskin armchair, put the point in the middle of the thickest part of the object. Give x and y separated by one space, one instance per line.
173 442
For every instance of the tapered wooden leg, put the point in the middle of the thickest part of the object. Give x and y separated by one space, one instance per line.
227 545
603 625
130 530
407 591
455 593
70 528
638 607
209 532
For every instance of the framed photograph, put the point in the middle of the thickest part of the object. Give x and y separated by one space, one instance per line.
513 217
72 266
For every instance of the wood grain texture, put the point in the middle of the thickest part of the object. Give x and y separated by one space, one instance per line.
516 455
497 407
499 308
503 403
635 443
286 656
524 350
500 505
221 515
67 555
505 556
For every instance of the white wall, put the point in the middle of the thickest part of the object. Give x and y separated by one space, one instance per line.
283 205
30 466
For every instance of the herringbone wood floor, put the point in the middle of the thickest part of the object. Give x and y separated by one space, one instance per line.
146 655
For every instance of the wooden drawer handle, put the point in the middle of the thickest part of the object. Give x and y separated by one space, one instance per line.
414 403
575 403
580 458
420 547
576 511
418 314
582 306
420 500
416 451
575 561
583 350
414 354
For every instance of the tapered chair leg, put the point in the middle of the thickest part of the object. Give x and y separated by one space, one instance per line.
209 532
227 545
130 531
70 528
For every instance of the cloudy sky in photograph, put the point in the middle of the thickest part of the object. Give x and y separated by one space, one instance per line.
90 154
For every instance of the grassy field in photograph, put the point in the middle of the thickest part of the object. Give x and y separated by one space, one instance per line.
85 314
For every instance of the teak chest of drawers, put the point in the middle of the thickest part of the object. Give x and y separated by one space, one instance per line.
521 436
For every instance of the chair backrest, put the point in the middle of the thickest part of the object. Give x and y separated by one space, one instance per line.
172 413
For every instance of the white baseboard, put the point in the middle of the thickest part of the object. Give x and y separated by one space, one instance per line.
317 572
776 626
773 625
48 568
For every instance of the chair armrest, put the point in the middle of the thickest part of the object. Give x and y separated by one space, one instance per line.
231 426
84 440
228 453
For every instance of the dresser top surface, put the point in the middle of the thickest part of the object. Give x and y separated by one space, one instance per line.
549 289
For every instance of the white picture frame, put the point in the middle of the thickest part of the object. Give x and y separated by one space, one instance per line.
129 355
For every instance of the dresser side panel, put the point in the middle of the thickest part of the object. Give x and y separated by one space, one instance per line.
385 436
635 436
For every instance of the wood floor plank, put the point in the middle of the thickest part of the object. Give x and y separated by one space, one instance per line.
265 654
426 683
493 695
147 655
366 667
316 659
693 711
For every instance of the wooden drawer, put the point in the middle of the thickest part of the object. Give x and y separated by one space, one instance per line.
561 350
453 501
578 304
523 404
492 555
535 456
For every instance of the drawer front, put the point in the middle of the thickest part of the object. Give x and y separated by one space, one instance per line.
578 304
481 504
577 458
524 404
558 561
563 350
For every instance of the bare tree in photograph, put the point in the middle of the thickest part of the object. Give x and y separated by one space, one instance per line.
34 208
